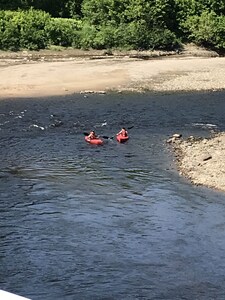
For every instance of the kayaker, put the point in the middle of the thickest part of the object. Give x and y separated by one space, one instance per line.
92 135
123 132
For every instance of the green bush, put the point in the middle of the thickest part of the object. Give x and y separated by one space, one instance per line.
23 30
208 30
133 35
220 33
64 32
138 36
163 39
97 37
87 36
33 33
9 31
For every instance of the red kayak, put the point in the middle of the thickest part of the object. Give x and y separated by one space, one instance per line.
122 139
96 141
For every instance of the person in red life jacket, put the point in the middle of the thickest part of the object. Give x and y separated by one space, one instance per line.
123 132
92 135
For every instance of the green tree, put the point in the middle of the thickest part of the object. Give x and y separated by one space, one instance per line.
63 32
217 6
23 29
73 8
57 8
12 4
135 23
208 29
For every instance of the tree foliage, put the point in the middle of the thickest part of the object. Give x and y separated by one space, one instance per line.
208 29
56 8
63 32
23 30
132 24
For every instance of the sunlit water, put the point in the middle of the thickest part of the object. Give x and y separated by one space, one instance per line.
113 221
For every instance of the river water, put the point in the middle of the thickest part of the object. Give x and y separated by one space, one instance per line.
108 222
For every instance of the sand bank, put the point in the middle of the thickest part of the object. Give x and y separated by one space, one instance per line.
24 75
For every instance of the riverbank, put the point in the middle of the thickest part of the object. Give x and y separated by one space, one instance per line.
49 73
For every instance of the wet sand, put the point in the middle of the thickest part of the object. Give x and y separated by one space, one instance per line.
201 161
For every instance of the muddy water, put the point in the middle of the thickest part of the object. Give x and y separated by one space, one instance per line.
109 222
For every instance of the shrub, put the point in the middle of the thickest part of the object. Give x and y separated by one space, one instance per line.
208 30
86 36
64 32
32 26
138 36
104 38
23 29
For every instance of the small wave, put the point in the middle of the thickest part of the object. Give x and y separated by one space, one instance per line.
37 126
20 115
101 124
78 125
205 125
2 124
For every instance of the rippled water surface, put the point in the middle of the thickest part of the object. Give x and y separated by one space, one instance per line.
113 221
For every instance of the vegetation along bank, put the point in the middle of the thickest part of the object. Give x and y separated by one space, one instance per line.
112 24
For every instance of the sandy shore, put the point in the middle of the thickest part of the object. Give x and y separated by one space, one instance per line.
26 75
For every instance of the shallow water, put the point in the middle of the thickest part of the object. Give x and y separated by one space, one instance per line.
113 221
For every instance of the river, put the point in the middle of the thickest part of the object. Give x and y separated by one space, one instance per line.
108 222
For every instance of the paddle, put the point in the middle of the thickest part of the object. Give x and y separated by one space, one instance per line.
107 137
130 127
103 136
